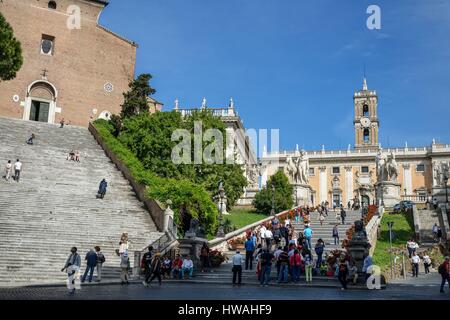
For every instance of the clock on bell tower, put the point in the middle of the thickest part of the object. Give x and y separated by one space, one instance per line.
366 122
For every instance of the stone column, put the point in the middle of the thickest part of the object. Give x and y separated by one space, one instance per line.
348 184
323 184
407 179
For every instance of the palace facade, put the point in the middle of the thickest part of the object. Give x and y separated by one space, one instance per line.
342 176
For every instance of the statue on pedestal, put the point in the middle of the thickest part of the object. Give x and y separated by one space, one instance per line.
303 168
387 168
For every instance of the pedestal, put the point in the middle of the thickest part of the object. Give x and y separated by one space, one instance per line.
302 193
192 246
439 193
389 193
248 197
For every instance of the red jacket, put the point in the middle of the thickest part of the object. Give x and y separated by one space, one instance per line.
295 260
177 263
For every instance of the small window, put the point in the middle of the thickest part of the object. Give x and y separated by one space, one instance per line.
365 110
366 135
47 45
52 5
365 169
335 170
420 168
311 171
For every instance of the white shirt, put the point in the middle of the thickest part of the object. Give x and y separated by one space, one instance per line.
268 234
18 165
262 232
187 264
415 259
427 260
277 253
8 166
287 222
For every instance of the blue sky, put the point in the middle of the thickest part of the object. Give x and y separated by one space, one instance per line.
294 65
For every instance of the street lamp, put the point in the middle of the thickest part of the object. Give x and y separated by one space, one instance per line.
390 224
272 212
220 231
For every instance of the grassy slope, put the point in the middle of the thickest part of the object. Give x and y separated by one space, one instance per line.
242 217
403 229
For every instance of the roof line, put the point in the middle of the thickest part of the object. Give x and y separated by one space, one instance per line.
118 36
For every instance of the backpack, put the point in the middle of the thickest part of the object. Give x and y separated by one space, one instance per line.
101 257
441 269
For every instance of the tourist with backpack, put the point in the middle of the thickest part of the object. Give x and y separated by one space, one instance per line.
283 259
266 259
91 263
100 260
102 189
307 232
146 264
445 273
249 250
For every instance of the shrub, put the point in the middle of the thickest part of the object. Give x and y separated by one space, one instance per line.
283 194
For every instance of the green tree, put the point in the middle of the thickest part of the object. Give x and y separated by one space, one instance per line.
282 196
135 99
10 51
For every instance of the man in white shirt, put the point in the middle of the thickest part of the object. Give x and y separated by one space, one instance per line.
262 234
415 264
17 169
187 266
237 267
268 235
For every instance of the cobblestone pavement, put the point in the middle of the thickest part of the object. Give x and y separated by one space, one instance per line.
174 291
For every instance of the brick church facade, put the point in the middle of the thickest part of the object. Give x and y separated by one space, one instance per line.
73 67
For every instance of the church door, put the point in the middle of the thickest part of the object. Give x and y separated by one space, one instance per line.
39 111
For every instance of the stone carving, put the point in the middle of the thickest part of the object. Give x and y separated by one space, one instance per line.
441 172
252 175
298 169
335 183
387 168
360 232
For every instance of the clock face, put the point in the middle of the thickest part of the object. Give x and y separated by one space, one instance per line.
365 122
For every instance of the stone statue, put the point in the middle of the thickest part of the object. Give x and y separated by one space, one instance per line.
391 168
381 163
252 175
204 103
303 168
360 233
291 169
176 104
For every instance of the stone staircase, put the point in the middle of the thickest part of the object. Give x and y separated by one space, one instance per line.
325 232
427 219
54 207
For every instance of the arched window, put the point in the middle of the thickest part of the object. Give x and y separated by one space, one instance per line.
366 135
365 110
52 5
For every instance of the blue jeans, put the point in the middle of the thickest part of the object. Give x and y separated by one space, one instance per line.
176 274
265 274
89 269
308 242
190 270
283 276
296 273
319 260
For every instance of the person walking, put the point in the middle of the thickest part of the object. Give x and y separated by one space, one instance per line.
308 267
342 274
445 273
435 231
237 268
276 254
439 234
8 169
146 264
124 267
295 262
102 189
319 248
156 266
321 219
266 266
30 139
91 263
249 250
426 263
100 260
61 123
308 236
17 170
262 235
283 259
411 245
435 203
204 257
336 235
415 260
343 215
72 267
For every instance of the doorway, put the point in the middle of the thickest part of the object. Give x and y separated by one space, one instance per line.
39 111
365 200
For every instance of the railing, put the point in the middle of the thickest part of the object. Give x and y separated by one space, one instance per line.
219 112
415 198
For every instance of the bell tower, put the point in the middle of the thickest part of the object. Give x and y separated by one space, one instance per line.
366 122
